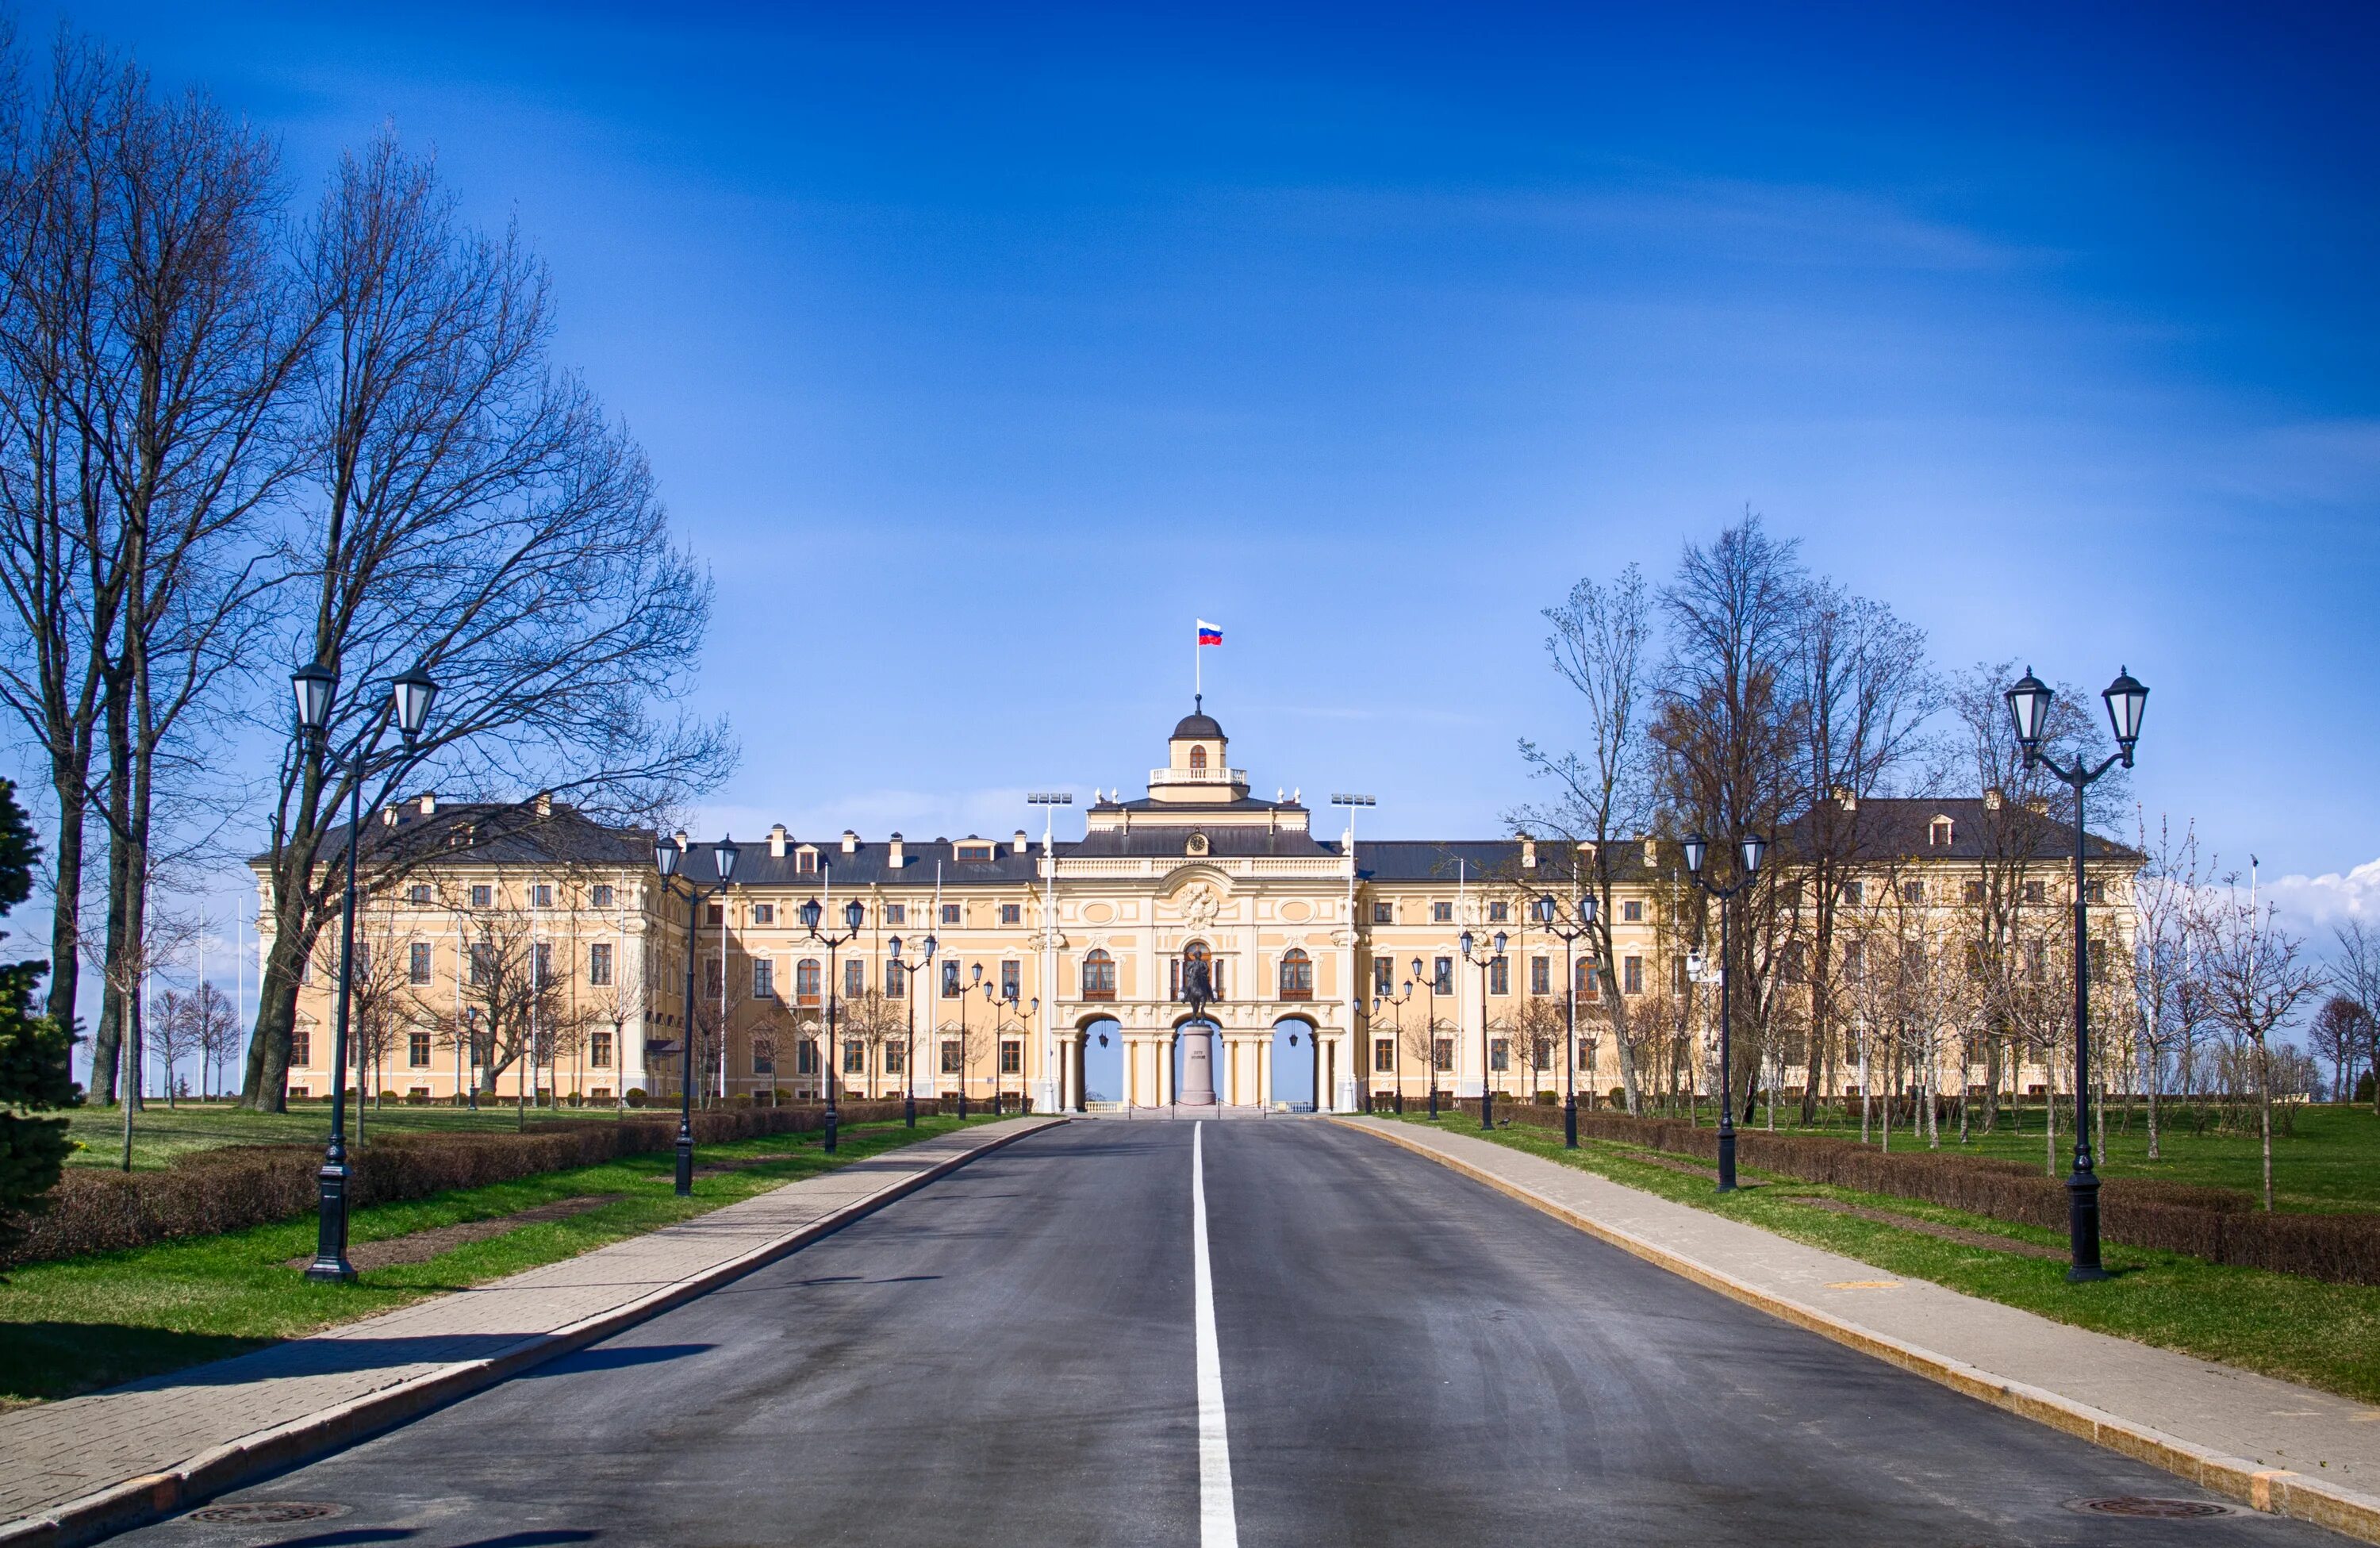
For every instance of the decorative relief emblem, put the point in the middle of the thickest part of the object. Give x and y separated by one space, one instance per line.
1199 908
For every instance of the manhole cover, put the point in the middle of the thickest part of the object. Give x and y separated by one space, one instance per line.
2150 1509
253 1513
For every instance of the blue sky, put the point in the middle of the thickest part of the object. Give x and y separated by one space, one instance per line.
982 352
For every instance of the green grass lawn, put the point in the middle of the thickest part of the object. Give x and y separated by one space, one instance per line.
85 1322
159 1133
2300 1330
2330 1162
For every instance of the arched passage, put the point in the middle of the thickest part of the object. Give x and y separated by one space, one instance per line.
1102 1056
1292 1063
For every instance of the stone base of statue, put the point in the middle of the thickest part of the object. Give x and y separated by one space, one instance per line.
1197 1067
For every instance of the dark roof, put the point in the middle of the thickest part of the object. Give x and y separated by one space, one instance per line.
1491 859
1897 827
1197 724
488 833
1175 841
867 864
1240 803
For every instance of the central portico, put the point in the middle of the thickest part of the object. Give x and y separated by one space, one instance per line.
1200 875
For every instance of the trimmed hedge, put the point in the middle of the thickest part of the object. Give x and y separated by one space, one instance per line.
230 1189
2220 1224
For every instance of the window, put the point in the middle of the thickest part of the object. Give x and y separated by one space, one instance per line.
1384 975
1790 961
1198 759
950 913
1011 913
2098 959
974 854
2094 892
806 1057
714 979
602 895
1541 975
1678 966
1854 961
1854 893
764 979
1442 913
1296 975
950 990
484 963
418 895
764 913
1974 892
1587 1057
1499 975
417 1050
599 964
1384 1055
714 913
806 981
2036 892
417 962
1442 1055
951 1065
1631 975
1499 912
1974 960
1632 911
1938 831
1541 1054
896 1060
302 1046
363 959
599 1050
482 895
1011 979
2036 961
1442 975
1913 892
1499 1054
854 1056
805 862
854 978
764 1058
541 961
1587 982
896 980
541 895
1011 1059
1098 976
1384 913
896 913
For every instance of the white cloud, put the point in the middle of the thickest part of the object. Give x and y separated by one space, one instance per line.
2331 897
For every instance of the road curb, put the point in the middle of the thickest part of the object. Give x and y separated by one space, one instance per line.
121 1506
2276 1491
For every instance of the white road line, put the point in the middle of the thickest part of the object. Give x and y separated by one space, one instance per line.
1217 1526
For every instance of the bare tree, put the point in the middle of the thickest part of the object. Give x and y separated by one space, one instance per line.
2166 896
2355 973
2340 1031
177 1033
219 1032
468 509
509 994
2257 976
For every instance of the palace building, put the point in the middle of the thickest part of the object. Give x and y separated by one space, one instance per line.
1198 945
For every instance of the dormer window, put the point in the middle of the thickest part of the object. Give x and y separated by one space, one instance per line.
976 853
1197 760
805 861
1939 833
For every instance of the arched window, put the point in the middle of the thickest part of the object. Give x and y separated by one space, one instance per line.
1196 956
1197 760
1098 976
806 981
1296 975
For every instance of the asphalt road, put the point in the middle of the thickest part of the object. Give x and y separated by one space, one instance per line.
1010 1356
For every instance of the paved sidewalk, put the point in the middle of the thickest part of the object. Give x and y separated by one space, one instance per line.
193 1430
2279 1447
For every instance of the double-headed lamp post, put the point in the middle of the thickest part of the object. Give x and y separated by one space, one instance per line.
853 915
667 857
1486 1093
2028 703
409 697
909 1046
1430 1006
976 980
1397 1052
1023 1011
1751 849
1572 925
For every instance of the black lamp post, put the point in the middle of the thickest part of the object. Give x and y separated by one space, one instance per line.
974 980
409 697
1486 1093
1431 1007
666 856
1570 927
853 915
1397 1054
1751 849
1023 1011
2028 704
909 1050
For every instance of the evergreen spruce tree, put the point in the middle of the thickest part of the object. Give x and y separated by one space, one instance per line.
34 1073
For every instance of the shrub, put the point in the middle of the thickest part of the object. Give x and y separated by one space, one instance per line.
636 1097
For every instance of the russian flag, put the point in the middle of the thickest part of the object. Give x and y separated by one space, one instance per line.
1208 634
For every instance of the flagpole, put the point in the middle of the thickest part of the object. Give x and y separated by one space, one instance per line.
1197 671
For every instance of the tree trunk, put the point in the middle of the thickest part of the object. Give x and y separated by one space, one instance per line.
2264 1116
66 903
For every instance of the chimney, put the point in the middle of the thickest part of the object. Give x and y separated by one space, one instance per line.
1016 845
777 841
679 837
893 852
850 842
1992 798
388 816
1651 858
544 803
1528 853
2037 805
1844 799
429 803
